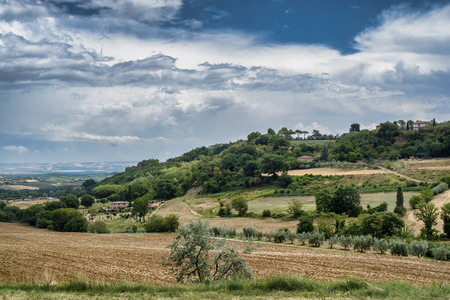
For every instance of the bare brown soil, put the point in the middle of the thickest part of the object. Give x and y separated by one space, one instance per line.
25 204
35 255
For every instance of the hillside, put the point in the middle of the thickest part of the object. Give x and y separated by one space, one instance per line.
246 163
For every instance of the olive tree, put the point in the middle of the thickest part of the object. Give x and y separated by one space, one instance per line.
196 256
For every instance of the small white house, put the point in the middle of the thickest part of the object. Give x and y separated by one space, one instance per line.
420 124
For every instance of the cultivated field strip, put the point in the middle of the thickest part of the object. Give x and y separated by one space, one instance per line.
37 255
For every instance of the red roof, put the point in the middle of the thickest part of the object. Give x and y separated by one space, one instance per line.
421 122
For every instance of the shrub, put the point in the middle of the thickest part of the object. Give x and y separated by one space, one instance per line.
362 242
400 210
306 223
316 239
250 232
332 241
266 213
380 245
418 248
290 236
279 236
98 227
269 236
171 223
157 223
230 232
414 201
345 241
399 247
441 253
195 256
302 237
441 187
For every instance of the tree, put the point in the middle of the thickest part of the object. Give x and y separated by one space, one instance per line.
306 223
296 208
400 199
196 256
382 224
71 201
323 200
445 215
68 219
87 200
354 127
418 248
346 200
240 205
54 205
272 163
140 207
427 213
89 184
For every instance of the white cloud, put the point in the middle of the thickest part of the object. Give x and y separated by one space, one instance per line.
313 126
19 149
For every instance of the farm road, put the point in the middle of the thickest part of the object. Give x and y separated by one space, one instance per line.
398 174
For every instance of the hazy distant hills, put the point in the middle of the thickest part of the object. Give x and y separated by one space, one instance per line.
72 167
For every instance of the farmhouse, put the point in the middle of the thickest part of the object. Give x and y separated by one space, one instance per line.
420 124
305 158
118 204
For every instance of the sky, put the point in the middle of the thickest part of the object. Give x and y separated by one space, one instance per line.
128 80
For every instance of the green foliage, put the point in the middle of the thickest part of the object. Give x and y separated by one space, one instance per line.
295 208
427 195
272 163
224 210
30 214
428 214
418 248
195 256
398 247
113 197
323 200
266 213
97 227
316 239
440 188
345 241
71 201
157 223
87 200
279 236
68 219
380 245
362 242
445 216
306 223
381 224
399 199
140 207
346 200
415 200
379 208
400 210
240 205
104 191
441 253
332 241
51 206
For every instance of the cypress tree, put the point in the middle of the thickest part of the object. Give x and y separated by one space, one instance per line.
400 199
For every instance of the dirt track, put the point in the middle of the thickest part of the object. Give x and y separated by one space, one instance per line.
30 254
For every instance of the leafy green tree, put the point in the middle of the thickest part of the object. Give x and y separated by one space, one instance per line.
165 188
272 163
54 205
295 208
427 195
98 227
323 200
306 223
196 256
381 224
278 142
380 245
103 191
30 214
400 200
445 215
87 200
68 219
140 207
240 205
89 184
284 180
355 127
418 248
428 214
71 201
415 200
346 200
171 223
114 197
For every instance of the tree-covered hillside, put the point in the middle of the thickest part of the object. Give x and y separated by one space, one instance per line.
241 164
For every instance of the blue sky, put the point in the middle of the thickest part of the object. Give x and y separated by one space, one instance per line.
127 80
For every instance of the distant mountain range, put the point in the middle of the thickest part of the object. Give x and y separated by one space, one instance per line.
72 167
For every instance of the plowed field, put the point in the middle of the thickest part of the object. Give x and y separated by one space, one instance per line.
30 254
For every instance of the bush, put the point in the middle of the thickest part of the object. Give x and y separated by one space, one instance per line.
316 239
441 187
400 210
266 213
399 247
418 248
362 242
345 241
414 201
269 236
302 237
279 236
156 223
306 223
333 241
98 227
195 256
441 253
380 245
249 232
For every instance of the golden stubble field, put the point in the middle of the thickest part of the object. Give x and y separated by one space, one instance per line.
36 255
